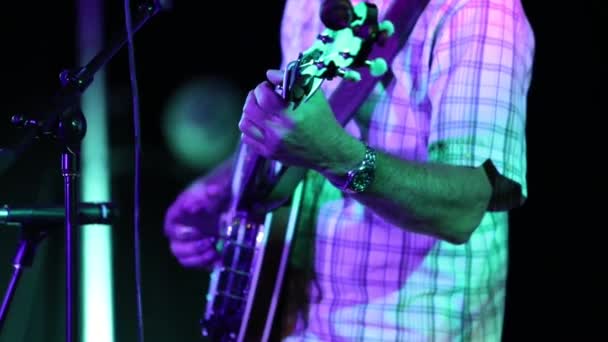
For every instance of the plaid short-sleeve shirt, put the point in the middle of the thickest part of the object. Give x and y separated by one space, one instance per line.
457 96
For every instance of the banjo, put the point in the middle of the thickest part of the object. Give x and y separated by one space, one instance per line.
256 231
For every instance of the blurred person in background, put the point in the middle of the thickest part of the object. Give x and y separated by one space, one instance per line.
199 122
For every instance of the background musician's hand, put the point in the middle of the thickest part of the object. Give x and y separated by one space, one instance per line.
192 221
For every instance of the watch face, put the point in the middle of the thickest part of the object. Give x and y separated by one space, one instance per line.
361 180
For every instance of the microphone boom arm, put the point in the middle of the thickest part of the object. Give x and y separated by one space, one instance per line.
45 216
75 82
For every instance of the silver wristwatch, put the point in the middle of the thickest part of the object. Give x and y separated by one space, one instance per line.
360 178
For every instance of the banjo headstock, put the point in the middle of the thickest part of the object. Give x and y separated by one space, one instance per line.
337 53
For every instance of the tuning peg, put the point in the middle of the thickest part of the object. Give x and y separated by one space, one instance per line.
325 38
346 54
387 28
349 74
377 67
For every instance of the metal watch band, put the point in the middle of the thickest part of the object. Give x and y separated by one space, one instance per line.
359 178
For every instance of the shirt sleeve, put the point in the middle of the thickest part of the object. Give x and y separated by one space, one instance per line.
480 74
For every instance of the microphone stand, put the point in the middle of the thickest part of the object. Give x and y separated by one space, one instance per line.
67 125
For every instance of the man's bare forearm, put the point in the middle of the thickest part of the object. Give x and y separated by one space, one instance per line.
444 201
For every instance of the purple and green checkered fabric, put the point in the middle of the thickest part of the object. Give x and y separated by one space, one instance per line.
458 96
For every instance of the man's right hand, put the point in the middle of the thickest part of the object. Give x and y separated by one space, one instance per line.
192 221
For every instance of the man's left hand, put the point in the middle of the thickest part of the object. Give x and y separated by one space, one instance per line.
309 136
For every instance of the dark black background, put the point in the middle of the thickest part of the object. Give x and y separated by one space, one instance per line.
555 264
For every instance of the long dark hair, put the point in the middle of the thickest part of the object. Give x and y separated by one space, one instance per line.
300 275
